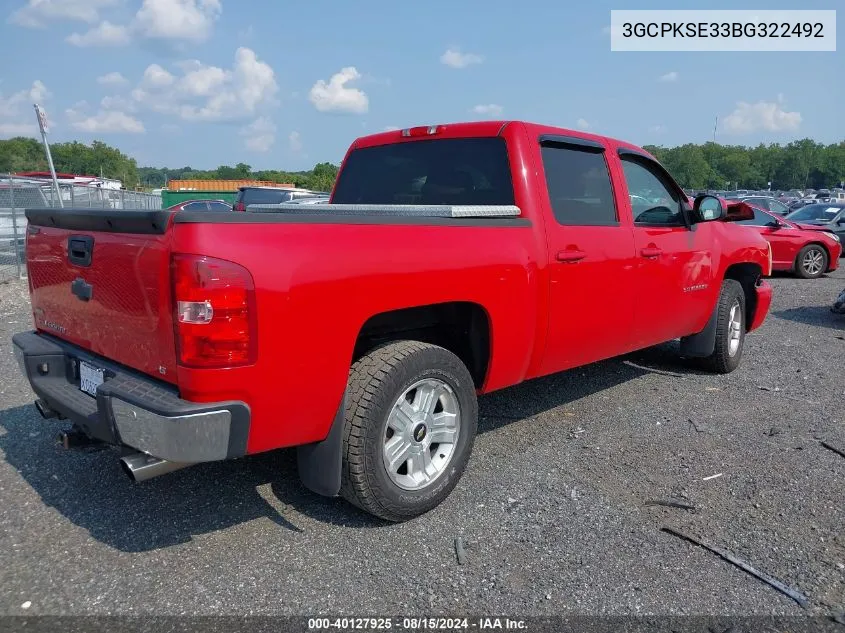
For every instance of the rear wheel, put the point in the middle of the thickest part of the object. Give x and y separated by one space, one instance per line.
811 261
409 429
730 329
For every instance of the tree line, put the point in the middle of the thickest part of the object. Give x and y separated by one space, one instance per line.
98 159
320 178
796 165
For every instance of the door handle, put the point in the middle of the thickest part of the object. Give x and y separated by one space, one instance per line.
570 256
651 252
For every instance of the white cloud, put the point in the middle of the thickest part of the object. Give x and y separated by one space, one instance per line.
112 79
583 124
454 58
389 128
202 81
760 116
260 135
490 110
118 103
336 96
295 142
156 76
17 118
209 93
35 13
104 122
657 129
669 77
104 34
182 20
38 92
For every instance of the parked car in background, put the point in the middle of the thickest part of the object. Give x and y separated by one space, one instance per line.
821 217
454 260
799 204
767 203
201 205
272 195
807 251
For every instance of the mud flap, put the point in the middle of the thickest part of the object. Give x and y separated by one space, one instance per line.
703 344
320 463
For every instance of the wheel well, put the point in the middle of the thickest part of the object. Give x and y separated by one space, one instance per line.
461 327
823 246
747 275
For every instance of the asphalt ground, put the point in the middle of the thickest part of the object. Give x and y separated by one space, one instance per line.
552 511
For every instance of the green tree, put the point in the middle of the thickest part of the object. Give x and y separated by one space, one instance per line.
687 164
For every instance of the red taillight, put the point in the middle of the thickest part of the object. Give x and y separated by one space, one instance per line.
214 312
240 206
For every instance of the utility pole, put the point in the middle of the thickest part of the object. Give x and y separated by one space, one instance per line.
44 127
715 125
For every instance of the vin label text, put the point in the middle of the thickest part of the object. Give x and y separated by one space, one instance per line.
723 30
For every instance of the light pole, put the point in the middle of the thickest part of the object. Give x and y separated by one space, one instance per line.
44 127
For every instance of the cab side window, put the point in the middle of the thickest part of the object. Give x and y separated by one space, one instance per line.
652 201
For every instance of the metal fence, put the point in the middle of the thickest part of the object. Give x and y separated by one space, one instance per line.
18 194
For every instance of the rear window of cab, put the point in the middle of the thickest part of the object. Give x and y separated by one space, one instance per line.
462 171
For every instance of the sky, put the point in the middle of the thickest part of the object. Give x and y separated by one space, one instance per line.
281 85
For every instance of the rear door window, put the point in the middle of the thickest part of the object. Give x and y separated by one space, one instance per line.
579 186
760 219
471 171
763 203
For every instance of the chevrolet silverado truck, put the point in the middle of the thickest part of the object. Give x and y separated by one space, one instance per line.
452 261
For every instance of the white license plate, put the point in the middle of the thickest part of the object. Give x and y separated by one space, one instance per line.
90 378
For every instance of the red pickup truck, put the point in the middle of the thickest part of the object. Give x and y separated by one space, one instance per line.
453 260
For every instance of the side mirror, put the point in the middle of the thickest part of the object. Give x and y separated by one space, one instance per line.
708 208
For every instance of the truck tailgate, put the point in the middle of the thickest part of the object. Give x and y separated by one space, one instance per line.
101 280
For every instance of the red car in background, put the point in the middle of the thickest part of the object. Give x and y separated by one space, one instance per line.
806 250
201 205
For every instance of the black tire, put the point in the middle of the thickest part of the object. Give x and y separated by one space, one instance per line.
800 269
722 361
376 382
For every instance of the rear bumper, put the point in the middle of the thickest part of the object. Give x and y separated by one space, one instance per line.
131 409
764 302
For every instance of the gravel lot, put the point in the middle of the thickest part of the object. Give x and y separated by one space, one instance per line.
552 509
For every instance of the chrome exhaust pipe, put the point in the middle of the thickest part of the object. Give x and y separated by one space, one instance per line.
140 466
